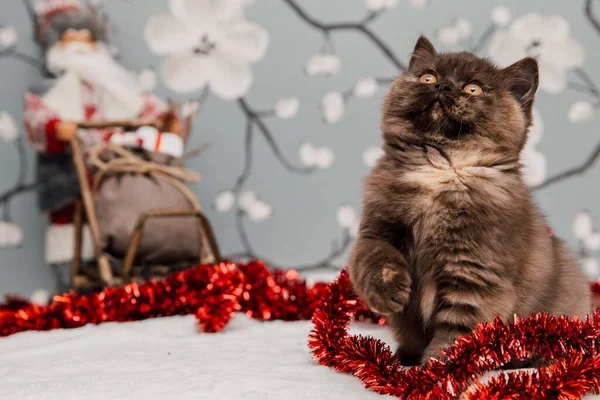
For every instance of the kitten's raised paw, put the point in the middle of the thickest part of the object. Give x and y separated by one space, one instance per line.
392 291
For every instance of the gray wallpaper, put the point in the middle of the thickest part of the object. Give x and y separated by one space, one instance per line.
289 94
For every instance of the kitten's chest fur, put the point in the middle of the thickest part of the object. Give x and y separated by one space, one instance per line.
451 193
458 205
460 213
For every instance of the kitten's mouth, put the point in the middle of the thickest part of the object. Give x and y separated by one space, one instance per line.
440 120
441 101
456 130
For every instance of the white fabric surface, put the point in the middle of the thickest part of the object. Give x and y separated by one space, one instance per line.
166 358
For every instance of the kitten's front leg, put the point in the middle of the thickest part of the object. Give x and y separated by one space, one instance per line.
380 275
442 339
468 294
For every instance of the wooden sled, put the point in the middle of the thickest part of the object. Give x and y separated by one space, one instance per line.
108 270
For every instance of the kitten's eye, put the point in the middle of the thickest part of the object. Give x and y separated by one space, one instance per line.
473 88
428 79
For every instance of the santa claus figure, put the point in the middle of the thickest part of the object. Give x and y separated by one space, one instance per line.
84 83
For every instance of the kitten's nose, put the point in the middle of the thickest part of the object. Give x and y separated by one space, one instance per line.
441 86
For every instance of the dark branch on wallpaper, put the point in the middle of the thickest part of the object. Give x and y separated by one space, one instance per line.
337 250
372 16
26 58
590 15
582 88
362 27
30 10
23 165
593 88
278 153
203 96
587 164
241 180
256 118
16 190
20 187
7 196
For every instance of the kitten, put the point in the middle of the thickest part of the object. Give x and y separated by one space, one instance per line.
450 236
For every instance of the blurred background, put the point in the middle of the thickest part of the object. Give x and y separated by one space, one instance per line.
294 128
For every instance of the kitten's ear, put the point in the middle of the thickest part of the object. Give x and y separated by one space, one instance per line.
423 50
522 79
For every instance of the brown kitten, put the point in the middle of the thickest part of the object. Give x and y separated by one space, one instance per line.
450 236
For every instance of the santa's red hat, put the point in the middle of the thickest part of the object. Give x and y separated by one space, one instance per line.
47 9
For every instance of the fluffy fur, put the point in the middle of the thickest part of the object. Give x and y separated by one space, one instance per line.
47 35
450 236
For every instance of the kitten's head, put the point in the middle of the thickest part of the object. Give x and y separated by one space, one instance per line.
460 101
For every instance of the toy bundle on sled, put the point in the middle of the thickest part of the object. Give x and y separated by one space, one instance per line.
144 220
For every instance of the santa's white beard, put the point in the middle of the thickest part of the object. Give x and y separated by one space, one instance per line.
121 96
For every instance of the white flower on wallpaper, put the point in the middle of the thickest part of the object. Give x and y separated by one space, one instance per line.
365 87
582 225
419 3
254 207
11 234
583 230
8 127
456 32
207 43
589 266
589 241
501 16
8 36
323 64
147 80
287 107
592 242
313 156
347 218
224 201
534 161
377 5
372 155
332 106
549 39
41 297
581 111
248 201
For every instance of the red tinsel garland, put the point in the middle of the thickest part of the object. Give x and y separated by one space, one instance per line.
214 293
572 344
